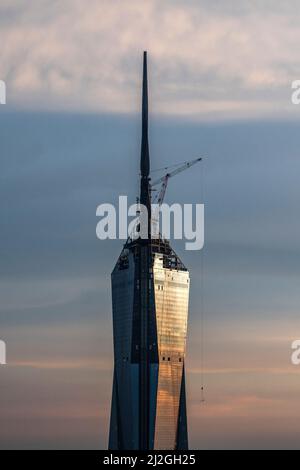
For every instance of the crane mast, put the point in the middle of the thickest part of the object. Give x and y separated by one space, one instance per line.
163 180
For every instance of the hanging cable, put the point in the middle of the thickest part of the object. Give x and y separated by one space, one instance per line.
202 306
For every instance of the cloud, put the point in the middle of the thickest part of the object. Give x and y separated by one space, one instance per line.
211 58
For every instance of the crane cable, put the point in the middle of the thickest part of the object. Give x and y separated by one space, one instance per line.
202 306
168 167
202 286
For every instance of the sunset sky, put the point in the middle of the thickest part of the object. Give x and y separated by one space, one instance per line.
220 77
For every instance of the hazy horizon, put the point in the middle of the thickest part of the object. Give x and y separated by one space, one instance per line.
55 276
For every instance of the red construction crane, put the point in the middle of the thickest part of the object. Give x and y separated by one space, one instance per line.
159 197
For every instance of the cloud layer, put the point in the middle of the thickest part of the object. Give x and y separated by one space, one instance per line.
208 58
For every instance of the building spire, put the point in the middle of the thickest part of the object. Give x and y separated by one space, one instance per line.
145 198
145 164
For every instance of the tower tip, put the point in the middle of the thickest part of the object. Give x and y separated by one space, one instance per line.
145 161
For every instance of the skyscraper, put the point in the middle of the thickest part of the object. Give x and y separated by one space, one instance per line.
150 292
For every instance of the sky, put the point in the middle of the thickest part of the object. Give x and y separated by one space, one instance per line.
220 78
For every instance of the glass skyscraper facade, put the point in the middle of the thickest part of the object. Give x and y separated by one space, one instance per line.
150 294
171 288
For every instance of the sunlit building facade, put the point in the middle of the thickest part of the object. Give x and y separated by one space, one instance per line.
150 294
171 292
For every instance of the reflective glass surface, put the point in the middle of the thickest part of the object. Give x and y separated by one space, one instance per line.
171 301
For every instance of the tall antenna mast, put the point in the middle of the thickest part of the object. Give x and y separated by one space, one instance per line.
145 198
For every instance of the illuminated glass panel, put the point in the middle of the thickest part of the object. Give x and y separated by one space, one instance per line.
171 302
